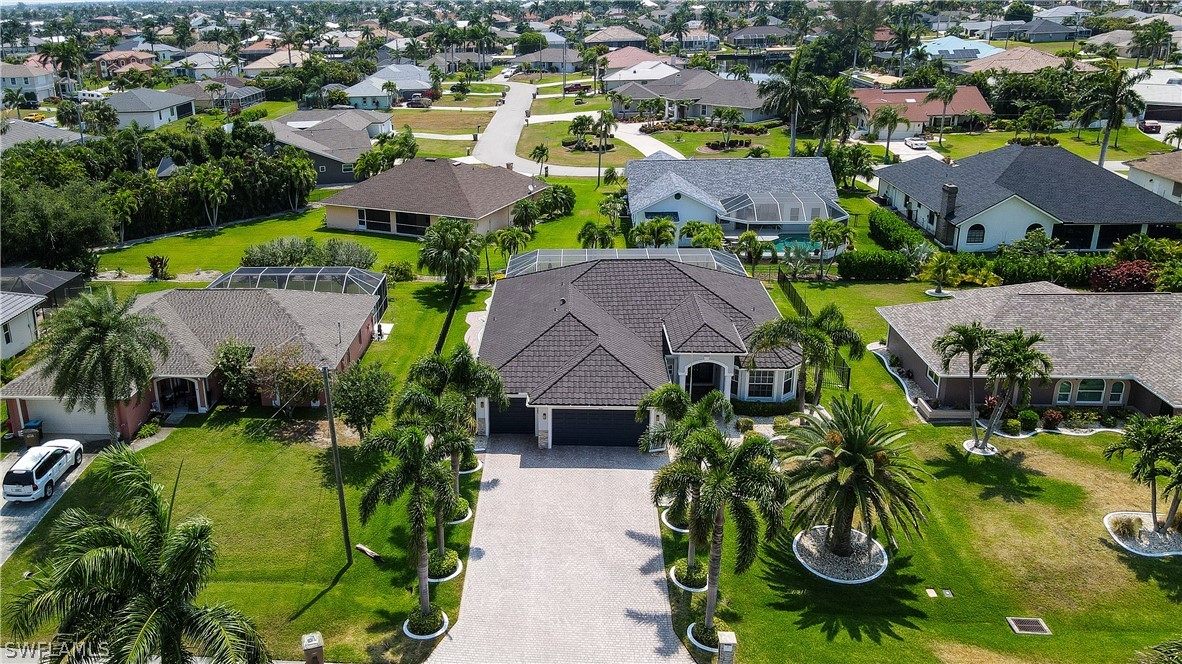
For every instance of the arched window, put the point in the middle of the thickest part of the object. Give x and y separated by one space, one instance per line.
1035 228
976 234
1116 392
1063 394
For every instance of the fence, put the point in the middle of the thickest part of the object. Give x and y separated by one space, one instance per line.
837 374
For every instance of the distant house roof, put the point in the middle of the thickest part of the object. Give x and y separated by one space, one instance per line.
132 66
643 71
34 280
955 48
757 31
198 61
699 86
1062 12
549 55
1167 165
1126 13
138 44
1174 20
614 33
120 55
1042 26
1058 182
205 47
19 131
279 60
339 135
15 304
915 109
440 187
593 333
629 56
1021 60
1115 37
18 71
695 34
141 100
1106 342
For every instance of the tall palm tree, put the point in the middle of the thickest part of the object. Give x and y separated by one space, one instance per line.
1175 135
605 124
595 236
511 241
829 235
213 187
13 99
820 337
1157 35
540 154
888 117
905 40
123 205
944 92
427 484
1110 94
130 580
853 465
391 90
753 248
969 340
1013 362
97 350
1157 443
789 92
656 232
837 107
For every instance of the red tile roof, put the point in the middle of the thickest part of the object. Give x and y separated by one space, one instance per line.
967 98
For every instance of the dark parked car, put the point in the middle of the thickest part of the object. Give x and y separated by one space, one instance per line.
1149 126
577 87
419 103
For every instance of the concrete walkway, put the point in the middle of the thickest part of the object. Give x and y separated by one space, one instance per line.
565 564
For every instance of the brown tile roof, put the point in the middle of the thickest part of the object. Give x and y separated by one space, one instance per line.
1166 165
440 187
967 98
629 56
1021 60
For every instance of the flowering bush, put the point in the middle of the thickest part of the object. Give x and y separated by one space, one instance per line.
1128 276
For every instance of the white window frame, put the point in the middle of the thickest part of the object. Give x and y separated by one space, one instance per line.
968 235
1113 396
7 334
788 385
1079 392
346 168
934 377
321 169
770 383
1060 398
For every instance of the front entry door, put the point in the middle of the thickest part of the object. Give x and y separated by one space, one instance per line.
703 378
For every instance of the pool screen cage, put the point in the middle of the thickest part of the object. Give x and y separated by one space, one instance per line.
332 279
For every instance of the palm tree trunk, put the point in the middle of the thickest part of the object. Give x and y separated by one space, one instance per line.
886 158
841 535
440 534
994 418
715 568
1104 141
943 122
819 372
691 555
424 585
1153 502
455 472
1172 514
112 424
792 130
973 404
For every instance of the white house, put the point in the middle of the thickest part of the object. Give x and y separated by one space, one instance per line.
1161 174
201 66
151 109
370 93
18 321
642 73
32 82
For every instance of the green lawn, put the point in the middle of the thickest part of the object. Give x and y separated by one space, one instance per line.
1046 47
1132 144
1018 535
270 495
556 105
859 208
275 110
776 141
477 101
124 288
552 133
434 147
440 122
489 87
542 79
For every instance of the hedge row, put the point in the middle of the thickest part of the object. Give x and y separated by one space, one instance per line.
873 265
890 231
764 408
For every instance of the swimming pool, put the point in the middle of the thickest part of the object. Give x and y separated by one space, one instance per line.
799 238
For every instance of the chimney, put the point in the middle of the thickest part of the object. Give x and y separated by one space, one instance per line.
509 165
948 201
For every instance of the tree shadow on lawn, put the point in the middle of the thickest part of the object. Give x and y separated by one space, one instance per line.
357 467
869 611
1002 476
1165 572
437 297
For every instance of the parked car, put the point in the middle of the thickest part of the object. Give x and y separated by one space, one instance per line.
577 87
35 117
90 95
420 102
1149 126
915 143
35 474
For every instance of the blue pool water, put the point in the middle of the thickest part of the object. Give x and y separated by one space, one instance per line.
799 238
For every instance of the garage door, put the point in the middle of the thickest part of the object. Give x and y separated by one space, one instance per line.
58 420
517 418
615 428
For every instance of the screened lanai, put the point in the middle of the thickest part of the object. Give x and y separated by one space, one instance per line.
332 279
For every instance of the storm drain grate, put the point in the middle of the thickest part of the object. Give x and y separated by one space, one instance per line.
1029 626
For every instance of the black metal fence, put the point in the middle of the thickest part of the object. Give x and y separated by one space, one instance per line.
837 374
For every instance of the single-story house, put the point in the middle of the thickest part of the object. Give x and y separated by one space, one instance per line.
409 198
1162 94
56 286
695 93
275 62
1161 174
692 41
111 61
32 82
987 29
642 73
1063 14
18 321
630 56
200 66
333 139
923 115
558 60
1020 60
329 329
776 198
615 36
1042 30
1123 41
956 49
149 108
450 63
999 196
18 132
369 93
580 338
757 36
231 97
1102 355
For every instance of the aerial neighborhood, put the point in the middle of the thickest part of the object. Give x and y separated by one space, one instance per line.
491 331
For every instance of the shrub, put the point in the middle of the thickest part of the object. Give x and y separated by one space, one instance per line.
763 408
1028 419
873 265
891 231
423 624
781 424
462 507
469 460
569 142
1107 420
147 429
343 252
1127 276
253 114
280 252
1079 418
1122 413
1051 419
745 424
989 404
400 271
1011 427
1036 140
158 267
440 566
1127 527
709 638
694 577
1169 278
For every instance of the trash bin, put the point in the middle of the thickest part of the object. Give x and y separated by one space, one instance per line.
30 437
36 424
313 645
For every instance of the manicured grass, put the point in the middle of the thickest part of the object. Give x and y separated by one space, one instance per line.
440 122
1016 535
321 193
477 101
269 491
776 141
124 288
859 208
1132 145
1046 47
275 110
542 79
552 133
434 147
488 87
556 105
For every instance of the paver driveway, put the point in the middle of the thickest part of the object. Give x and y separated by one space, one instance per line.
566 561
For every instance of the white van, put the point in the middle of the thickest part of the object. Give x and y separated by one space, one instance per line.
91 95
34 475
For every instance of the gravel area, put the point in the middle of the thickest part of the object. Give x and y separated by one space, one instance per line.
1148 541
868 561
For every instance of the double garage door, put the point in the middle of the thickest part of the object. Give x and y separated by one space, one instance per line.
614 428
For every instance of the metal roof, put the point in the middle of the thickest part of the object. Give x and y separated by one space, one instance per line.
546 259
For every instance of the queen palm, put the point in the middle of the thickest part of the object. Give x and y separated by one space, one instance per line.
1157 37
511 241
888 117
1013 362
969 340
944 92
595 236
1110 94
131 579
540 154
905 40
425 481
837 107
853 465
820 337
1157 443
98 351
789 92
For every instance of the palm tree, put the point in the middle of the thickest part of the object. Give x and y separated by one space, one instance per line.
974 118
941 269
133 137
131 580
969 340
728 117
944 92
740 73
820 337
1013 363
1157 442
837 107
511 241
579 127
889 118
1110 94
526 213
427 484
540 154
789 92
594 236
1175 135
610 208
213 187
853 465
605 124
1157 36
123 205
391 90
98 351
656 232
906 39
13 99
829 235
753 248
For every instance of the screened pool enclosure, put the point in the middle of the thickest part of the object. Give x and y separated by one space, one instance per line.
320 279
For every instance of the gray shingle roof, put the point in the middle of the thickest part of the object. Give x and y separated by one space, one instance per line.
1064 185
141 100
19 131
711 180
1102 335
593 333
613 33
196 321
700 86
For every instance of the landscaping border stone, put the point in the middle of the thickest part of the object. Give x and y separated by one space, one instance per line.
479 466
466 517
876 550
1127 547
426 637
670 526
689 632
971 447
673 578
449 577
